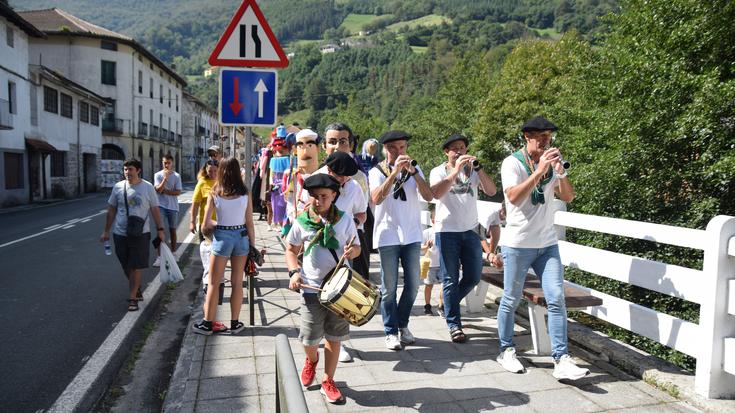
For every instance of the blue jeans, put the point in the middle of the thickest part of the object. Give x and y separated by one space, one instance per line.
230 243
395 315
547 266
458 248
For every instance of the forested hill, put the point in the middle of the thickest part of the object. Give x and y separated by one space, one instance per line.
184 31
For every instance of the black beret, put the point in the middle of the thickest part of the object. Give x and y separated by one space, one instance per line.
394 135
341 163
538 123
321 181
455 137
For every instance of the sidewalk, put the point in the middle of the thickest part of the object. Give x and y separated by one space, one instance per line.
223 372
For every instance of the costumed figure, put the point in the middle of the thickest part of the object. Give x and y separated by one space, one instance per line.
307 153
279 165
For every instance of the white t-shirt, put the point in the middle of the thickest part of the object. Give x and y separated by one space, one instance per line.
397 222
141 198
456 211
488 214
320 261
297 191
173 183
527 225
351 197
429 235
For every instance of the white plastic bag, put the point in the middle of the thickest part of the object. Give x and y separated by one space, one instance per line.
205 248
169 272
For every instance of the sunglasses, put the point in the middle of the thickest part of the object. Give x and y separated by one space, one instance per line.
212 162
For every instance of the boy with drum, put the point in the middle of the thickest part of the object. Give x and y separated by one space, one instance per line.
320 231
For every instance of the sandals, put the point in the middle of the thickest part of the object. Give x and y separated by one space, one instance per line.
458 335
139 295
133 305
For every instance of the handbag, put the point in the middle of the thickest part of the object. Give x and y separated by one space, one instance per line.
135 223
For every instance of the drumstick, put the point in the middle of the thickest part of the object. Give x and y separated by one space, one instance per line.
310 287
342 259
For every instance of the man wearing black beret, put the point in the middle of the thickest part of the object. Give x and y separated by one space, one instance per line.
395 185
455 184
532 176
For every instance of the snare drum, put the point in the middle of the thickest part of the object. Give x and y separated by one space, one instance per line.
350 296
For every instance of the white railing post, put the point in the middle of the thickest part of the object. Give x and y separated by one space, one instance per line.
715 324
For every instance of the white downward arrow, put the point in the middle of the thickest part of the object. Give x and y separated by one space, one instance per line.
260 89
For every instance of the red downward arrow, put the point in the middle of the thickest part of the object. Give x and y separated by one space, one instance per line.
236 106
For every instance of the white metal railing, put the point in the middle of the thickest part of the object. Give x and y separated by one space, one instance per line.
712 341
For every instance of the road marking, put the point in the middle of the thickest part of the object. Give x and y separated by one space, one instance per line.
52 228
94 366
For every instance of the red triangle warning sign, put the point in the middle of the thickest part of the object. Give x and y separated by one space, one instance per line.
248 41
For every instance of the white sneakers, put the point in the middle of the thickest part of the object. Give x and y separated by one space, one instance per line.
508 360
392 342
565 368
344 356
406 336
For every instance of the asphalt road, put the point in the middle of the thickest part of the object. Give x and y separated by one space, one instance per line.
60 297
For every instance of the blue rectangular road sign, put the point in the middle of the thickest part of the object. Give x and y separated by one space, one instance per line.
248 97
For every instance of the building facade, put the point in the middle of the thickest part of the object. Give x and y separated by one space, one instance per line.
143 116
200 131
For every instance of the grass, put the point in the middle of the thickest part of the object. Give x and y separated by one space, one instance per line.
353 23
551 32
428 20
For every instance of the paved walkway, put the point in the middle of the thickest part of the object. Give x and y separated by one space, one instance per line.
237 373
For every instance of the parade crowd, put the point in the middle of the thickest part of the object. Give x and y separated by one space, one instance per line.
351 205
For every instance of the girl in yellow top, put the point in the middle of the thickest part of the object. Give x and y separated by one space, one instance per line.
206 179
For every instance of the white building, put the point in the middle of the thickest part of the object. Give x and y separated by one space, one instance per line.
144 96
201 129
48 148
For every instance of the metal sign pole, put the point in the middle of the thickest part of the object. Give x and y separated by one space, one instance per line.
248 142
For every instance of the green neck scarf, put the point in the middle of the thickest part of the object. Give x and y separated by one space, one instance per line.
325 235
537 195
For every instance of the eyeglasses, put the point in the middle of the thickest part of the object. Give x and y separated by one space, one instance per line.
338 141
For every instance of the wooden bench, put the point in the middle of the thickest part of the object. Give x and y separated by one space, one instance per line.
534 294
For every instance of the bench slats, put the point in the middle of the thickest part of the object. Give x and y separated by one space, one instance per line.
532 291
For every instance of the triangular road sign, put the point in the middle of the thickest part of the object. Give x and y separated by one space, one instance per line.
248 41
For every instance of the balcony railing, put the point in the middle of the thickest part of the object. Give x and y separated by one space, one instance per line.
154 131
171 136
164 134
178 139
112 125
142 129
6 120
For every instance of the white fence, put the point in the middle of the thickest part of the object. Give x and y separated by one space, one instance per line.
712 341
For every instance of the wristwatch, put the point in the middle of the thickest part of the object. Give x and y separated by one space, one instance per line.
294 271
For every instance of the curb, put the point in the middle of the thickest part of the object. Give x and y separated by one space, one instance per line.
90 384
175 395
98 373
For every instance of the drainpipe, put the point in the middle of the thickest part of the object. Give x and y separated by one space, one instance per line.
79 155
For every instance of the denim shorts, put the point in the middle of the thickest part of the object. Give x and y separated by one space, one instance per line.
230 243
434 276
170 217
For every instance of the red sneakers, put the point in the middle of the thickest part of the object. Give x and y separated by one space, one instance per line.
330 391
308 373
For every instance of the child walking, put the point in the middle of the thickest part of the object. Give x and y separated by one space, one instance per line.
232 237
323 231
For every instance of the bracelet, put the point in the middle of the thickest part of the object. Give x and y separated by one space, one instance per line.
294 271
160 228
